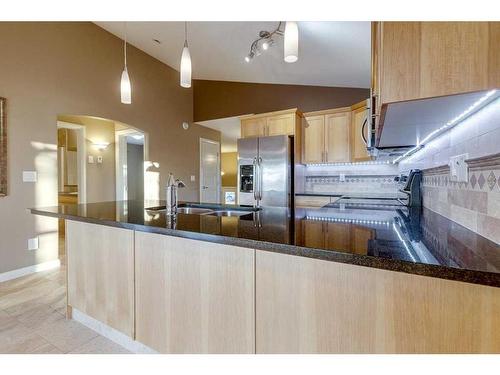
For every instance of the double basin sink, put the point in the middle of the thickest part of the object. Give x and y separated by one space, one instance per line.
209 210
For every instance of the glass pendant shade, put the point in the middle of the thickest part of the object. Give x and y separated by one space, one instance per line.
291 52
125 88
185 67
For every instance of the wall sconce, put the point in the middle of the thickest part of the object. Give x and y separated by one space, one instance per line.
100 145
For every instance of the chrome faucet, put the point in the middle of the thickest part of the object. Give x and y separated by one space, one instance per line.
173 186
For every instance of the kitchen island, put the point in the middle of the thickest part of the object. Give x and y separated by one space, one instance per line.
328 280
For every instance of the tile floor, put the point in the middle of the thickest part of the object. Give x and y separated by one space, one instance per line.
32 319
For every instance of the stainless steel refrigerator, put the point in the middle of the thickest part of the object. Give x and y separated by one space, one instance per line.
265 171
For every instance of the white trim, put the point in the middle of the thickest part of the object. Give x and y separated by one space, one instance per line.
219 183
111 333
45 266
81 150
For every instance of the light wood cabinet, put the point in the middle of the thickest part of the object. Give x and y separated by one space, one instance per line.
342 237
281 124
285 122
194 296
306 305
253 127
273 123
326 136
305 201
359 133
101 273
413 60
314 139
337 137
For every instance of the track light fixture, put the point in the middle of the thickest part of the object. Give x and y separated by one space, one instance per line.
288 30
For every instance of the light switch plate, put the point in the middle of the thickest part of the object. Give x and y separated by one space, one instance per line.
29 176
33 244
459 171
193 178
91 159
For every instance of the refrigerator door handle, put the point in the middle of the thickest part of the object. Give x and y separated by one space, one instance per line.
255 173
259 162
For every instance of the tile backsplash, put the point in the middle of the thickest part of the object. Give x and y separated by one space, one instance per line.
474 204
377 178
352 184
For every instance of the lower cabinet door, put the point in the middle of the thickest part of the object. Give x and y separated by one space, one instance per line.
306 305
194 296
101 273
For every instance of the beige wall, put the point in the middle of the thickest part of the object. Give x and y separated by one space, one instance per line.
229 165
47 69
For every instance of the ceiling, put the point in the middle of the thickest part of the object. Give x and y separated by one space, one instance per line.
330 53
230 131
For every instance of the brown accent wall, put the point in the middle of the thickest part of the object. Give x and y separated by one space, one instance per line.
50 68
219 99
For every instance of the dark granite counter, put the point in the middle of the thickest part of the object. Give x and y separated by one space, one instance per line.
381 236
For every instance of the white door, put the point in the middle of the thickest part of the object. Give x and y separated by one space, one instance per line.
209 171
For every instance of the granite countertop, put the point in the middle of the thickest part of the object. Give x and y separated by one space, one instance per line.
393 238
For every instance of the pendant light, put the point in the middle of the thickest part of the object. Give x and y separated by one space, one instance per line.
185 62
125 88
291 42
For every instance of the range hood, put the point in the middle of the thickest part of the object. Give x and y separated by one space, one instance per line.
408 124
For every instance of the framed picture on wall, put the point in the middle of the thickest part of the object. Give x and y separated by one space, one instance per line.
3 148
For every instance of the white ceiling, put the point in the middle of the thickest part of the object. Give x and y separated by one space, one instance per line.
230 131
330 53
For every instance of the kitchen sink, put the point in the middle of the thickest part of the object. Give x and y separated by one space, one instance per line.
193 210
182 210
206 209
228 213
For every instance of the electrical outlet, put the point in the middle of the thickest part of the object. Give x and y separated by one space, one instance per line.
342 177
193 178
33 244
459 171
29 176
91 159
99 159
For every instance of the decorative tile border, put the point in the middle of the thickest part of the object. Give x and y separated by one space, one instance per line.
475 203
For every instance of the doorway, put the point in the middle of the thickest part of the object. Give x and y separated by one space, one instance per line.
210 178
130 156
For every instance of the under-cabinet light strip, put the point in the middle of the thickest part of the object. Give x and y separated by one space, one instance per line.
348 163
348 221
450 124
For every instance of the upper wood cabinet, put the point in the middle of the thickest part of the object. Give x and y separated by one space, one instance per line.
337 137
412 60
326 136
273 123
253 127
359 133
314 139
281 124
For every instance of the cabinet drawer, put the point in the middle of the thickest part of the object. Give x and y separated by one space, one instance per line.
311 201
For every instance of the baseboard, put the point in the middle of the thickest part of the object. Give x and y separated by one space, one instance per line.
111 333
45 266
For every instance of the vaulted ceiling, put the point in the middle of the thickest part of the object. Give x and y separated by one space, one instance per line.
330 53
